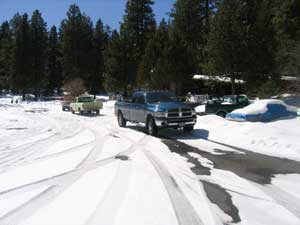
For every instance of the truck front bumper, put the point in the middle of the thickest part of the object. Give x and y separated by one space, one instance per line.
175 122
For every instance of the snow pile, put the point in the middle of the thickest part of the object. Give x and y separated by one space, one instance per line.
264 111
217 78
279 138
200 109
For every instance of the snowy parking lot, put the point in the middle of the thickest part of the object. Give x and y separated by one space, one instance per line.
57 168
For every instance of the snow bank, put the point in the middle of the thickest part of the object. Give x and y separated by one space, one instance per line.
264 111
279 138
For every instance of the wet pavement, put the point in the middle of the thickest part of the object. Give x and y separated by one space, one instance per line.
251 166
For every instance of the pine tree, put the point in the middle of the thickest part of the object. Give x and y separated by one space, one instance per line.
77 44
179 59
115 62
54 70
22 63
259 60
38 52
241 42
286 23
154 71
191 23
225 45
136 30
95 82
6 45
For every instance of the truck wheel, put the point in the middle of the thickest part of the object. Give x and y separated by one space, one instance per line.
80 112
97 112
72 111
151 127
188 128
121 120
221 114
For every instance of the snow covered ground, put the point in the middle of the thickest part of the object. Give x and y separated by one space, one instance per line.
278 138
65 169
59 168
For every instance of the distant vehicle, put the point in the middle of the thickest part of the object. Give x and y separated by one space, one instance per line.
226 105
85 104
158 109
67 100
195 100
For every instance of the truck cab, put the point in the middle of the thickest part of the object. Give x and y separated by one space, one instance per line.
85 104
155 109
226 105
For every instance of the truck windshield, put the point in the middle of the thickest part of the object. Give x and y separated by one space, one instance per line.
229 99
160 97
85 99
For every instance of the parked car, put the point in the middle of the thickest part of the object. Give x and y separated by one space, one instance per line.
227 104
85 104
67 100
156 110
264 111
195 100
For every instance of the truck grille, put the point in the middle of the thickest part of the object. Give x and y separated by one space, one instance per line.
178 113
180 120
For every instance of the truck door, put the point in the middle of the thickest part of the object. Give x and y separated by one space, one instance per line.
138 108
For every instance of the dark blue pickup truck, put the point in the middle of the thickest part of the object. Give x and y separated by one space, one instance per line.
156 109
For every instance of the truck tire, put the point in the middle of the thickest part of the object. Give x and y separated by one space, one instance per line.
80 112
151 127
222 114
72 111
188 129
121 121
97 112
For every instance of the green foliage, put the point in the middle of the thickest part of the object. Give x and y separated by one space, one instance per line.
22 63
154 69
286 22
115 62
254 40
95 81
54 67
38 53
241 42
77 44
189 31
136 30
6 47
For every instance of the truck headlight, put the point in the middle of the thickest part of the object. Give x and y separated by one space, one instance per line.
160 114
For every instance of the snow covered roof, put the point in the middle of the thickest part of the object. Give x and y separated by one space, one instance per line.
216 78
290 78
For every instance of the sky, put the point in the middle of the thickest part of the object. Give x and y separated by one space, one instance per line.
53 11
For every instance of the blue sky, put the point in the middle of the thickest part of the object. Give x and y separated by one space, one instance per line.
53 11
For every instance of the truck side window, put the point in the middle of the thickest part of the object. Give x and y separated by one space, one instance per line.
243 100
140 99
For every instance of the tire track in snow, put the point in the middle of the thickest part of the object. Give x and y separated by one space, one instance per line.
25 156
184 211
108 208
66 180
20 155
60 183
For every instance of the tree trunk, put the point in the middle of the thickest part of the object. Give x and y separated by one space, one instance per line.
232 78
